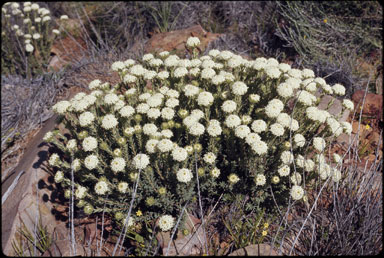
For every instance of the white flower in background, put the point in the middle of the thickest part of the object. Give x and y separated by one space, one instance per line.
167 113
167 133
305 97
140 161
348 104
259 126
205 98
232 121
190 120
225 55
109 121
300 161
149 75
195 63
46 18
260 179
193 42
197 113
310 85
184 63
184 175
336 157
101 187
171 61
319 143
129 62
80 192
327 89
95 84
284 170
335 126
128 78
209 157
27 36
166 222
164 54
336 175
89 143
118 164
194 71
254 98
277 129
29 48
37 20
286 157
324 170
116 66
172 93
62 17
338 89
208 64
218 79
297 192
299 140
239 88
246 119
233 178
91 161
54 160
259 147
215 172
144 96
149 129
229 77
122 187
309 165
242 131
147 57
235 61
214 128
27 9
228 106
196 129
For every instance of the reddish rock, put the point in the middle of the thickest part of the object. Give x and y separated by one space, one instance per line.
373 105
175 40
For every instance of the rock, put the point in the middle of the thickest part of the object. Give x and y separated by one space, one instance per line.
255 250
373 105
191 244
175 40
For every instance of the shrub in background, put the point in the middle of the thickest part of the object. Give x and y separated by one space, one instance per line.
27 36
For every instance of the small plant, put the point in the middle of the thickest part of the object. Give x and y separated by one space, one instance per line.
175 130
27 36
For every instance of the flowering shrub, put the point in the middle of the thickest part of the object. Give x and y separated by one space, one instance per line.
210 124
27 36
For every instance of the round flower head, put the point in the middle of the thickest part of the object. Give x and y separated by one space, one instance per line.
122 187
305 97
285 90
233 178
214 128
193 42
117 66
242 131
274 108
207 73
232 121
196 129
89 143
118 164
80 192
215 172
126 111
299 140
259 147
165 145
319 143
297 192
209 158
153 113
59 176
225 55
61 107
338 89
254 98
239 88
284 170
260 179
191 90
259 126
229 106
184 175
286 157
94 84
55 31
172 102
91 162
109 122
137 70
273 72
347 127
307 73
284 67
218 79
205 98
180 72
348 104
101 188
252 138
277 129
166 222
179 154
29 48
140 161
149 75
